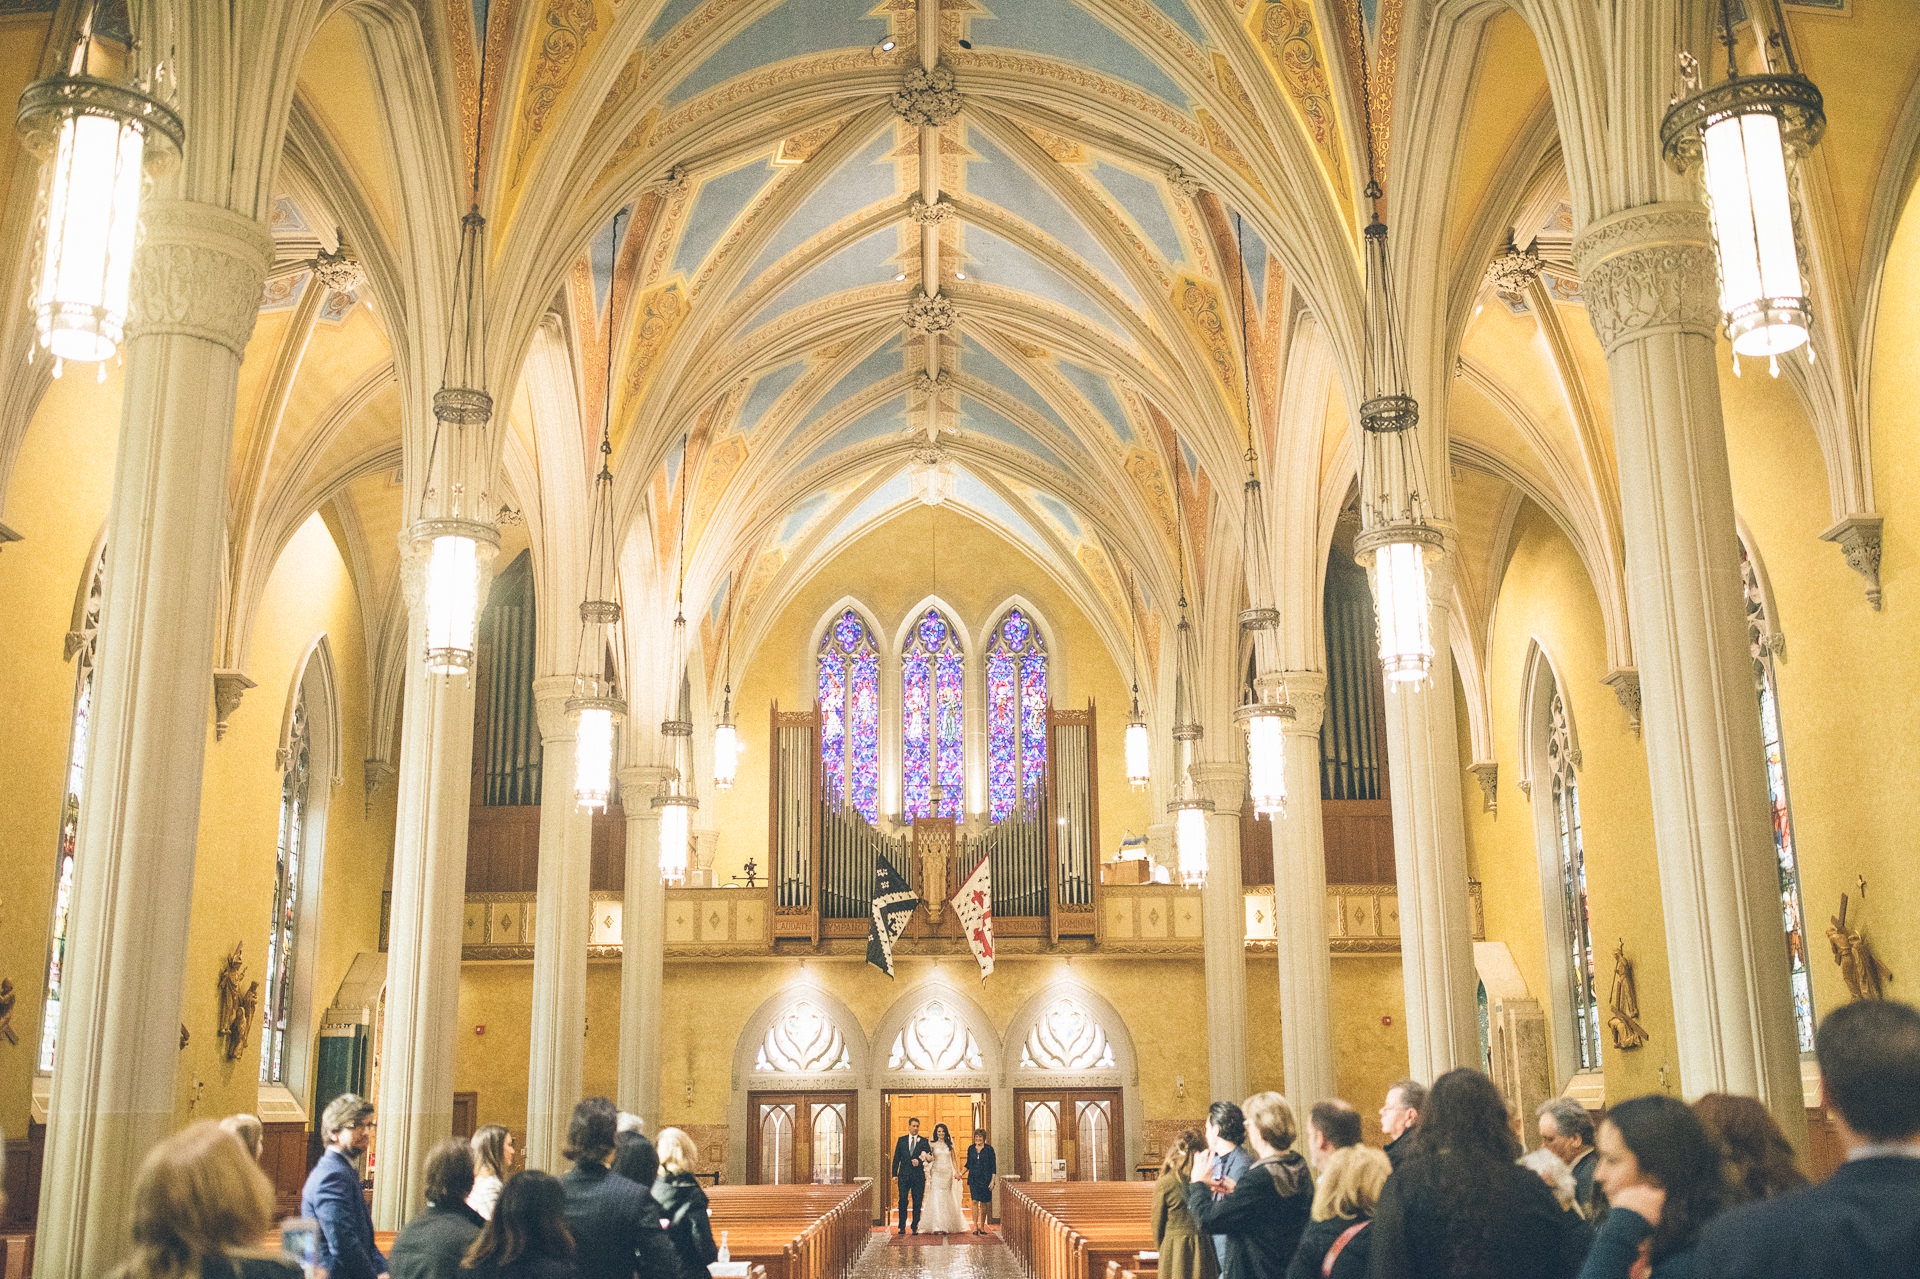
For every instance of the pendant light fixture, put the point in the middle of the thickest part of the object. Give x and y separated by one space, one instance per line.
1263 710
1746 134
99 140
726 738
678 804
1137 744
455 527
596 705
1188 808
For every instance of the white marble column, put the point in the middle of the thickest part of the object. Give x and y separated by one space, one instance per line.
196 291
1650 282
1300 904
643 945
419 1043
1430 860
560 925
1223 929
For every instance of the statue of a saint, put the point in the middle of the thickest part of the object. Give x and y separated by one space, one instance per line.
1862 971
1623 1002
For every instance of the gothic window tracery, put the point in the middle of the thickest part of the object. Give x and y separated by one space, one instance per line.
934 1041
932 692
1067 1037
1583 997
848 668
802 1041
1016 714
282 932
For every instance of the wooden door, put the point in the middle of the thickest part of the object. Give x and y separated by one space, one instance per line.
799 1137
466 1113
1069 1134
961 1112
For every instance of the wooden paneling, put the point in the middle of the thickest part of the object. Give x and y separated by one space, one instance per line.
1359 838
22 1183
283 1157
1256 848
609 872
466 1112
503 848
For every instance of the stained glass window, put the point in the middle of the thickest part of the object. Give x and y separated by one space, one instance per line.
282 927
849 691
1016 714
80 648
1763 640
1578 933
932 686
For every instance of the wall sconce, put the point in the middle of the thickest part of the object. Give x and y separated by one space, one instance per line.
1180 1087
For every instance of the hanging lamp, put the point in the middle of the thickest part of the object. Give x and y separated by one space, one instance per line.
1747 134
1188 808
1136 743
99 140
596 706
1263 710
726 738
678 804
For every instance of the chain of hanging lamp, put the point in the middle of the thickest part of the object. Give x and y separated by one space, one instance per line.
726 737
1137 744
1188 808
678 804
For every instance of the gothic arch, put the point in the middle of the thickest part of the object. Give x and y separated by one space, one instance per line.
837 1019
317 661
1123 1073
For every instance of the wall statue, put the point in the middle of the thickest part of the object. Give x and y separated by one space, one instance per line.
1623 1002
238 1004
1861 969
7 998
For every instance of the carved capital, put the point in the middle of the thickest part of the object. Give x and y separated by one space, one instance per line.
1625 683
1182 181
199 273
930 312
1859 537
1649 269
1307 691
673 183
1223 783
339 271
1487 773
1514 270
928 98
371 771
639 782
228 688
550 696
929 214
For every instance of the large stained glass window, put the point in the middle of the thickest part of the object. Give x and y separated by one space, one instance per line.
1583 999
284 923
1763 641
1016 714
849 692
932 686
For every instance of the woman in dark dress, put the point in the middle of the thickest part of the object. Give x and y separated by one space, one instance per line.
527 1237
981 1168
1664 1180
1335 1246
684 1204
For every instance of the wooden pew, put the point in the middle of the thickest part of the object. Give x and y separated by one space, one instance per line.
1076 1229
796 1232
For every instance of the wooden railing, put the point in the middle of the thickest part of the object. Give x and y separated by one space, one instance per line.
796 1232
1073 1229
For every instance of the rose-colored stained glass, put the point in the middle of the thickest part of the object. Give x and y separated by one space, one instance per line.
1016 714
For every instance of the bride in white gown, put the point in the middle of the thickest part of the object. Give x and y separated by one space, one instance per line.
943 1214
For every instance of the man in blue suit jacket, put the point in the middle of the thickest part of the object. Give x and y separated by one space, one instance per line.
332 1194
1864 1221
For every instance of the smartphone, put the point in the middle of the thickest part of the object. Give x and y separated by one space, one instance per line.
300 1242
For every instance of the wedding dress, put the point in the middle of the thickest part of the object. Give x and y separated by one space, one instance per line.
943 1213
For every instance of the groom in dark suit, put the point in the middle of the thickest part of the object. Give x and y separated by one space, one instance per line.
911 1155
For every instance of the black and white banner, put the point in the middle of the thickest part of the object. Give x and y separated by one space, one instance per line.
893 905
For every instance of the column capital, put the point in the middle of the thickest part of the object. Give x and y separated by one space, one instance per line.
550 696
1649 269
199 273
1224 782
643 779
1307 691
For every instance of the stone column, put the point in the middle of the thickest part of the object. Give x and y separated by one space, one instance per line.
1300 904
1223 926
560 926
1649 278
1430 860
434 792
196 291
643 947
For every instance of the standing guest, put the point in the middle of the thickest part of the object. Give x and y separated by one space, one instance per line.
627 1121
332 1195
1400 1118
1337 1243
493 1153
1760 1163
684 1204
1460 1205
607 1215
1184 1252
1226 1139
982 1164
1864 1221
433 1243
1557 1177
911 1155
635 1158
1567 1130
201 1206
1263 1213
1331 1125
1663 1180
526 1238
250 1131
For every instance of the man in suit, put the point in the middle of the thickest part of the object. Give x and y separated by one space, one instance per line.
332 1195
1567 1130
1864 1221
911 1155
434 1242
1400 1118
612 1219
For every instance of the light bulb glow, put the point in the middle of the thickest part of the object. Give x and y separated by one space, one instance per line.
1402 611
593 751
93 214
453 602
1762 291
1138 752
676 830
1266 759
1190 844
726 755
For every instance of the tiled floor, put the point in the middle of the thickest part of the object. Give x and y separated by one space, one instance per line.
957 1260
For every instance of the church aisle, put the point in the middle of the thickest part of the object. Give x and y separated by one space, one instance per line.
923 1257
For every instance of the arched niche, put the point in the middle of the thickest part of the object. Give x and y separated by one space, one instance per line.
1069 1036
801 1039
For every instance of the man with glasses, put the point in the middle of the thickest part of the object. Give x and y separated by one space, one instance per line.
332 1195
1400 1118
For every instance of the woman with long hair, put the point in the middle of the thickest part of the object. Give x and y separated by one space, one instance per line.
944 1214
1460 1206
527 1236
492 1156
1760 1164
1185 1253
1338 1243
1664 1180
201 1206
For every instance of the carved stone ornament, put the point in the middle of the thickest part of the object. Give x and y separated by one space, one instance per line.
9 535
1514 270
199 273
929 214
339 271
508 516
1487 773
930 313
1859 537
1623 1003
7 998
1648 269
372 771
926 385
1625 683
238 1004
928 98
1863 972
228 688
1306 692
676 180
1182 181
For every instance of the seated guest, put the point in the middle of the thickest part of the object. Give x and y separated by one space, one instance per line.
1556 1176
252 1134
1459 1205
1400 1118
526 1238
493 1153
1864 1221
1265 1212
1185 1253
332 1195
608 1216
1663 1180
684 1204
1336 1245
1567 1130
1760 1163
201 1206
433 1243
1331 1125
